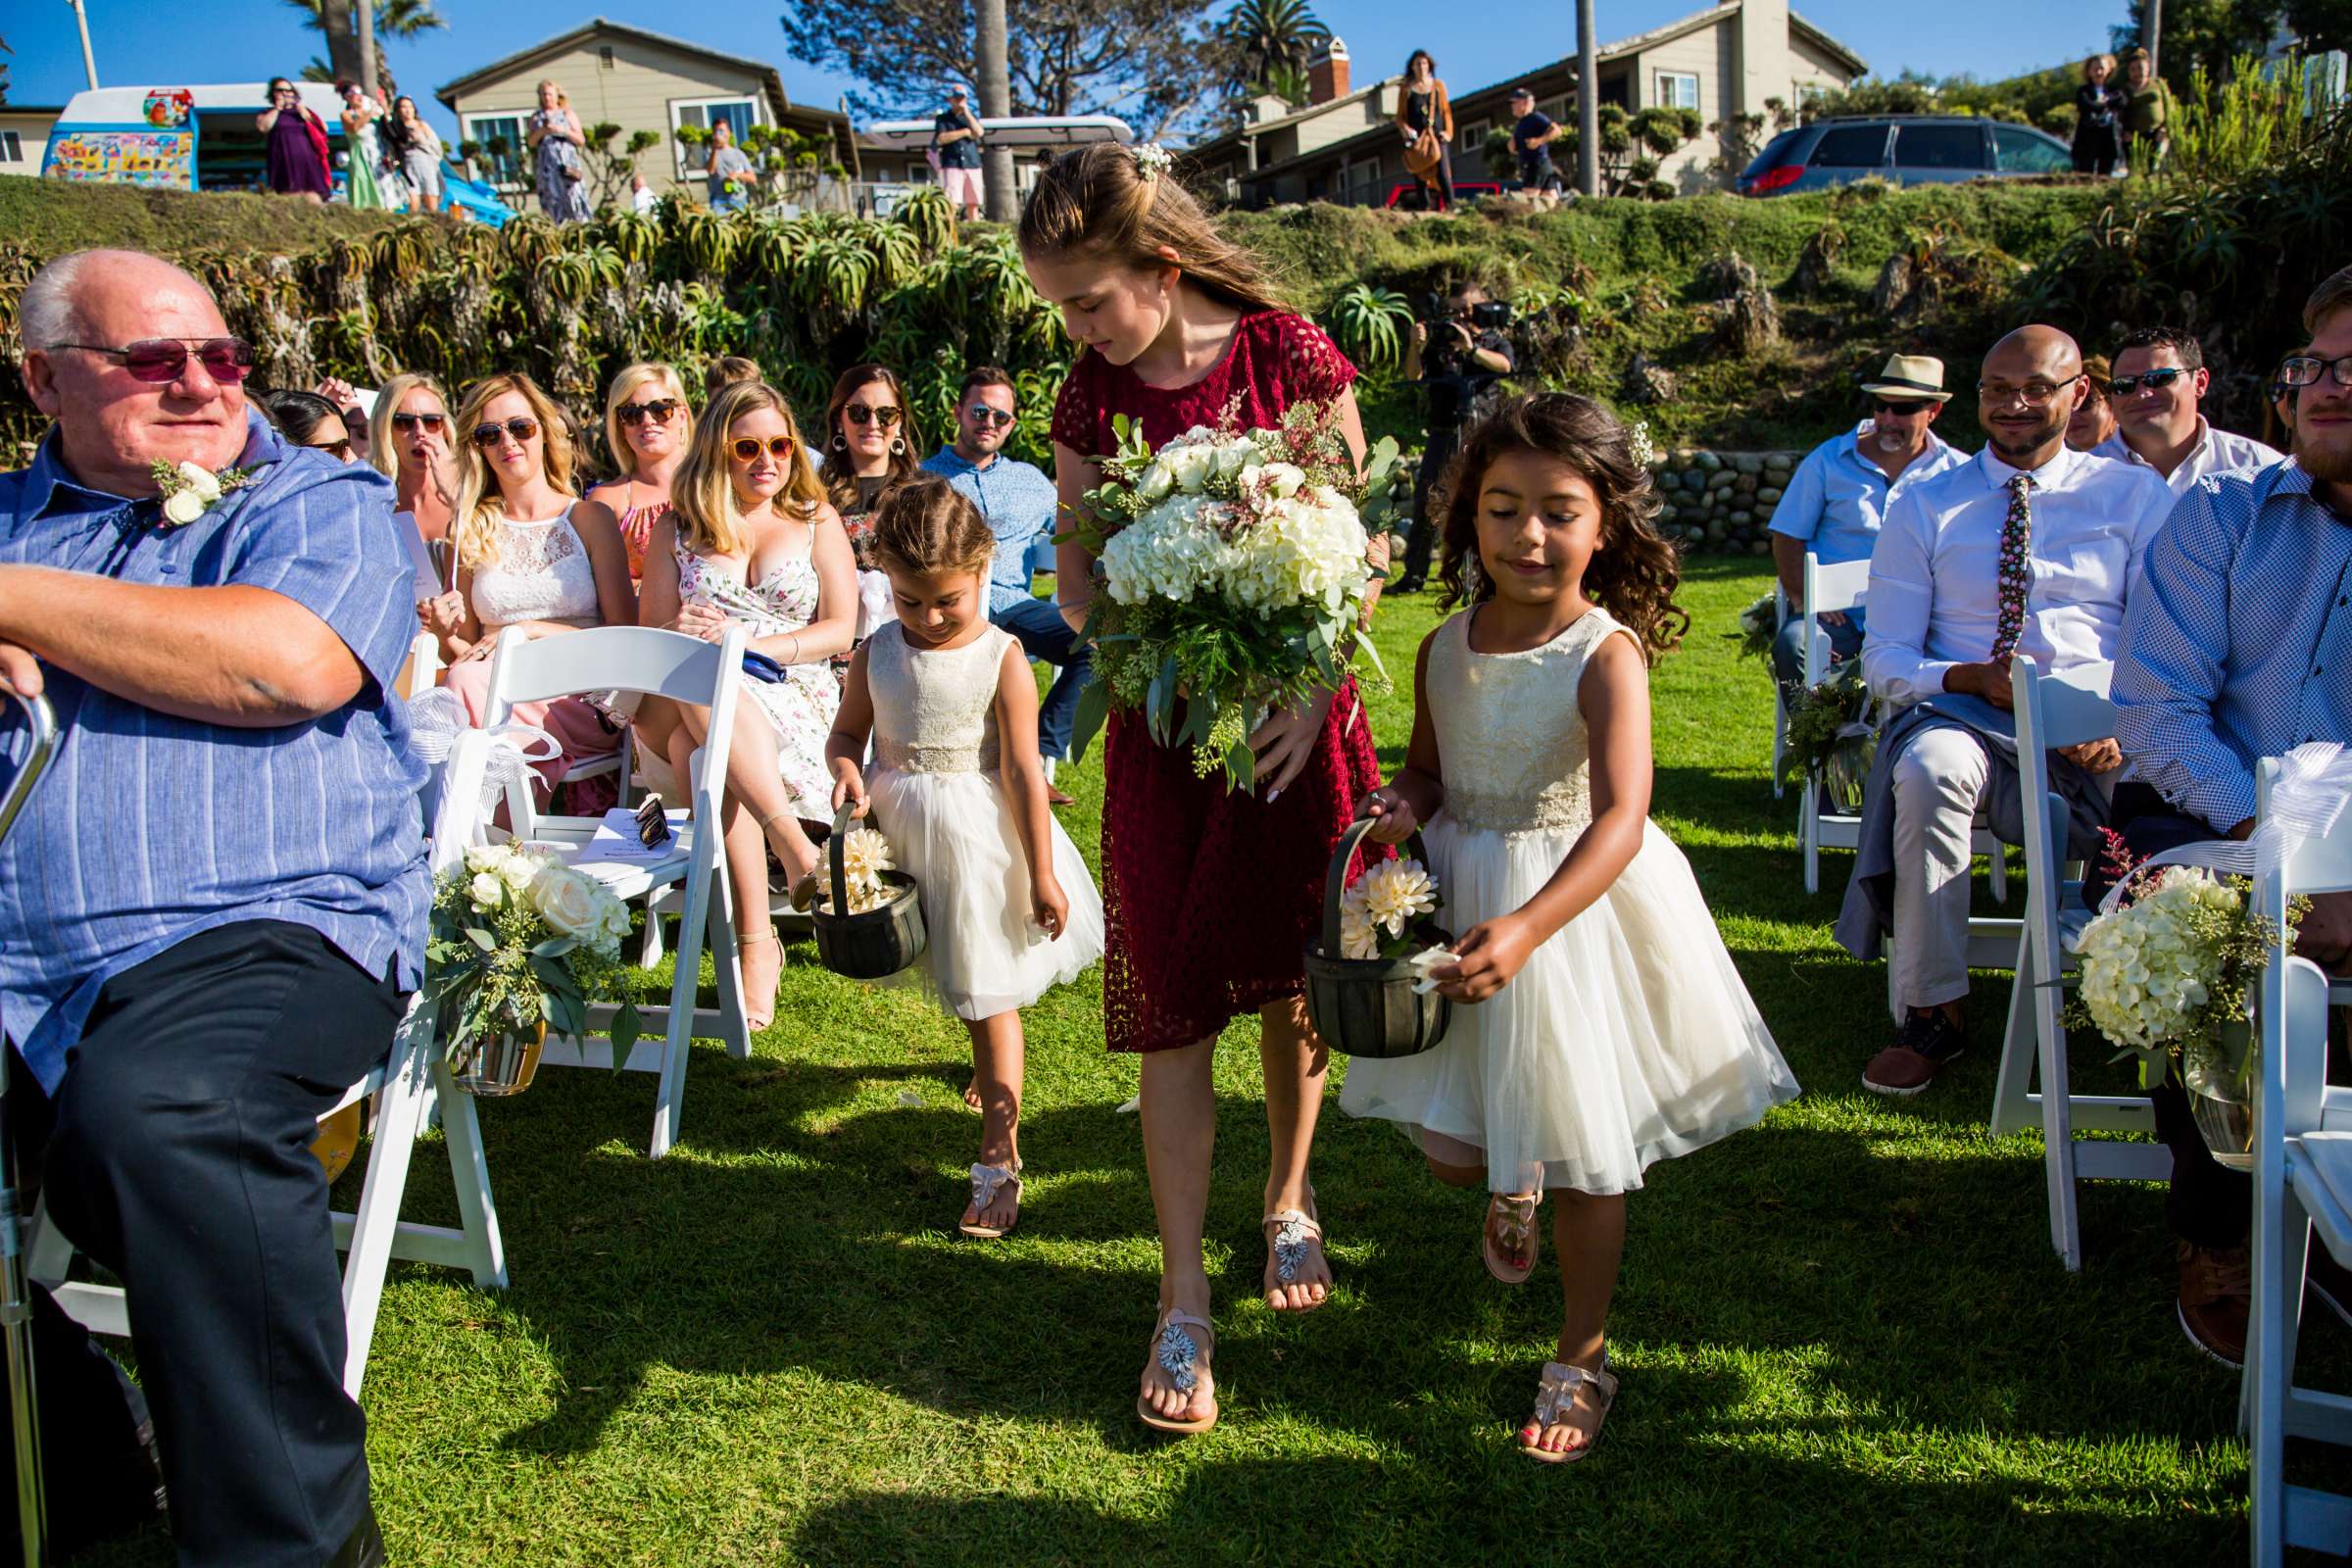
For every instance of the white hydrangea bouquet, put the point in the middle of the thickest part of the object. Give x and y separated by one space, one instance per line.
2170 974
865 854
519 939
1232 574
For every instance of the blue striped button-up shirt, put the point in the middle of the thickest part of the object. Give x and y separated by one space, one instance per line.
1017 500
2239 644
148 829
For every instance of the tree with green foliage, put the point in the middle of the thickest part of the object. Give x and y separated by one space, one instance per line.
2208 35
338 22
1272 41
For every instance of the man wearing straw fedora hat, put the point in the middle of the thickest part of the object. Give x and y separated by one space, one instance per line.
1837 496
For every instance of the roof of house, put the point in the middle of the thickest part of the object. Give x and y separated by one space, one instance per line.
596 26
1655 37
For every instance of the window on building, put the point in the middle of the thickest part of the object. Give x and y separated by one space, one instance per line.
1474 134
12 147
504 149
739 114
1677 90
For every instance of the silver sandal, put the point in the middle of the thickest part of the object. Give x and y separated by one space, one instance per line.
986 1181
1555 1404
1287 1249
1177 1354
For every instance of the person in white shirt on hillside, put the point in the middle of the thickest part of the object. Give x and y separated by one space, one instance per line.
2032 548
2160 378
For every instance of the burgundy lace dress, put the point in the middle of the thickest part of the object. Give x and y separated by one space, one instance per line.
1209 897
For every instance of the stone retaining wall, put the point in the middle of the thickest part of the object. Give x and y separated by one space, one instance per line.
1720 502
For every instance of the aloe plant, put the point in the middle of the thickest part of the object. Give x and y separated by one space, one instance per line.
1369 323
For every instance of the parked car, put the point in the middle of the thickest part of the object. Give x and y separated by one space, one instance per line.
1908 149
1412 196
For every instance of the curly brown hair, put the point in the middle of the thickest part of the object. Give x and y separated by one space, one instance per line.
926 525
1634 572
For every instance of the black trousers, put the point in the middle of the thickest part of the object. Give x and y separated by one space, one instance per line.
1421 543
179 1157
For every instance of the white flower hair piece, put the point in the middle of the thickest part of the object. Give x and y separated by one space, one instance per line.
1640 448
1151 160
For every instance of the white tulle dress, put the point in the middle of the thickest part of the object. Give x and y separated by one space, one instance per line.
1628 1037
937 796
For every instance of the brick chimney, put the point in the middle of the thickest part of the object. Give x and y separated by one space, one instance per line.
1327 74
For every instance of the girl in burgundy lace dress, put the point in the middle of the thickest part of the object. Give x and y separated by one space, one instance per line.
1209 896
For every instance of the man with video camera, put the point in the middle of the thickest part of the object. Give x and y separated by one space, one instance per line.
1458 357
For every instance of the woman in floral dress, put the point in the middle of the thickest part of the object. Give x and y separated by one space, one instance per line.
750 539
1210 895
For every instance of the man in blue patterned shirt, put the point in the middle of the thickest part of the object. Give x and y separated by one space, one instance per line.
1018 501
214 902
2237 647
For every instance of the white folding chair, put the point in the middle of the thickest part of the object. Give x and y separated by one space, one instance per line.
1843 587
2064 709
2302 1184
1780 705
412 1078
685 669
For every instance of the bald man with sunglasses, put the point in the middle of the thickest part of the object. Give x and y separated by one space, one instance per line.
213 905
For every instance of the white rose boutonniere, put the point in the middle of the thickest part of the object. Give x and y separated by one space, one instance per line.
191 490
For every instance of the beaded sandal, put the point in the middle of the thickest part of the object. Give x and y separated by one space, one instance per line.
1556 1405
986 1180
1178 1354
1512 1221
1286 1250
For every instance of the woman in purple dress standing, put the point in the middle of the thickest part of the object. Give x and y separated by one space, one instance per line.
297 144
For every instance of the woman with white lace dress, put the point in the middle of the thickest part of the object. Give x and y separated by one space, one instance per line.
748 538
532 562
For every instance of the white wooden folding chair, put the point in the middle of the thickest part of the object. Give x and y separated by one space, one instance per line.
685 669
1827 588
2302 1184
1780 705
412 1078
2064 709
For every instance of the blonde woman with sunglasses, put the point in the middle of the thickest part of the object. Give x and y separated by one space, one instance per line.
409 443
532 561
749 538
648 425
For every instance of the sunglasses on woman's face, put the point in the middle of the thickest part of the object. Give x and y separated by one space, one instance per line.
658 411
431 422
340 451
161 360
984 414
748 448
521 429
862 414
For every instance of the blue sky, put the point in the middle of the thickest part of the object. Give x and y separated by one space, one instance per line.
144 43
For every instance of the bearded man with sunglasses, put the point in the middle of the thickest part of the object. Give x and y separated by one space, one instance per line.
213 905
1018 501
2160 378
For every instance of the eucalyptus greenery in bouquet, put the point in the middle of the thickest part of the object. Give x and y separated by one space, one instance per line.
518 939
1831 740
1759 624
1232 574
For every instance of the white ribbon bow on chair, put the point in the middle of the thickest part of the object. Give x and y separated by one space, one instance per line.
2311 790
437 718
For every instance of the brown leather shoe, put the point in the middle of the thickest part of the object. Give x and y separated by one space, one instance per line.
1927 1041
1055 797
2216 1286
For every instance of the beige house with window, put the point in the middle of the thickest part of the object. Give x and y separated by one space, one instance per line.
639 81
1344 146
25 137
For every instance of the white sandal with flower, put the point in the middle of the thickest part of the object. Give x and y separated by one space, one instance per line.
1176 1353
1286 1254
1555 1406
1511 1223
986 1180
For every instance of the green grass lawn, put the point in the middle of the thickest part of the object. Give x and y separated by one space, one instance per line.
1843 1336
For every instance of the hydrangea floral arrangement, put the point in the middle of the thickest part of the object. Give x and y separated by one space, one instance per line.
2165 974
1831 737
865 854
518 939
1760 622
1231 565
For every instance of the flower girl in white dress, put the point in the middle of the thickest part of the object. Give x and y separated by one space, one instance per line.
1008 909
1598 1023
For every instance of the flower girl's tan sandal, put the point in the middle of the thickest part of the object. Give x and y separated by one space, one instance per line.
1555 1406
1512 1220
1290 1236
1178 1354
986 1180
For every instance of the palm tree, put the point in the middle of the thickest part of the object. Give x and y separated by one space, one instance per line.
394 18
1269 34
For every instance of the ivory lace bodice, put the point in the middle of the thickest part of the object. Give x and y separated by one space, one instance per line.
934 711
542 573
1511 740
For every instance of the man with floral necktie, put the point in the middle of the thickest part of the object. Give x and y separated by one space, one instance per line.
2031 548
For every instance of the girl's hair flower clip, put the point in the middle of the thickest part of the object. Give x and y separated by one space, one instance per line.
1151 160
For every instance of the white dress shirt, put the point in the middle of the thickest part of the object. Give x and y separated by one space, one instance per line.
1935 578
2215 452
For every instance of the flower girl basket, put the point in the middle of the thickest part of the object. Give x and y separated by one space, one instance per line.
874 944
1366 1007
